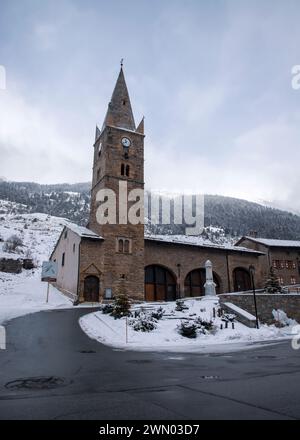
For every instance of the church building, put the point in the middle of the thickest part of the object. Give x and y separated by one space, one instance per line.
96 262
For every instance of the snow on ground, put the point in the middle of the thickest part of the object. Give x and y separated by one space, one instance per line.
165 337
24 293
39 233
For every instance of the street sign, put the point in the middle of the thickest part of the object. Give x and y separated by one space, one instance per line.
49 271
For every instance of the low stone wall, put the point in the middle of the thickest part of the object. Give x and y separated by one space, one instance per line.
266 303
242 315
9 265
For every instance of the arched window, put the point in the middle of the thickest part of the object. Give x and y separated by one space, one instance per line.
127 170
121 245
126 247
122 170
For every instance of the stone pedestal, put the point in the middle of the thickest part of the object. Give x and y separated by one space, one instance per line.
210 286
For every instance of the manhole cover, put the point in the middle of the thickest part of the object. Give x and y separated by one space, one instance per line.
36 383
139 361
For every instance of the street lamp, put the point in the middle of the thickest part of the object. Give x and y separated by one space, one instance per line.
252 272
178 280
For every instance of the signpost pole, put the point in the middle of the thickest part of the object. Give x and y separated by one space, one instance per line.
49 275
48 288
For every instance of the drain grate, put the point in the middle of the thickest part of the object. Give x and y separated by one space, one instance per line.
36 383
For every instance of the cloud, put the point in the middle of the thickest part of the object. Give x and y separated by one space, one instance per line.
213 82
32 146
45 36
263 164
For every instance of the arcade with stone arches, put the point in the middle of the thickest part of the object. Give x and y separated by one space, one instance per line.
162 283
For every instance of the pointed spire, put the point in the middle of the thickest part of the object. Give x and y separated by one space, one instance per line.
119 113
98 132
141 127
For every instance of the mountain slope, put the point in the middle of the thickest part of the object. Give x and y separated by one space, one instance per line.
72 201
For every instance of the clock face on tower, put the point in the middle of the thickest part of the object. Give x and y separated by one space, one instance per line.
126 142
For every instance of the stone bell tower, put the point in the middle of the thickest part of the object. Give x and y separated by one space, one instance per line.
119 170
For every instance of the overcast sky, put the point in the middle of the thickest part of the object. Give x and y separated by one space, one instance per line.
212 77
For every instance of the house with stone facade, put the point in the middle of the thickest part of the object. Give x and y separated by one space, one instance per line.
94 263
283 255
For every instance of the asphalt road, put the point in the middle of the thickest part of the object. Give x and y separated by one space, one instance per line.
97 382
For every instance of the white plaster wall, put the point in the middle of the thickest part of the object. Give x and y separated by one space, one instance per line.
67 278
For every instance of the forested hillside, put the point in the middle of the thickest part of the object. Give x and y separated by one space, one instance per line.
234 216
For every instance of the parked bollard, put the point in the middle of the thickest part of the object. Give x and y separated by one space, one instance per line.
233 326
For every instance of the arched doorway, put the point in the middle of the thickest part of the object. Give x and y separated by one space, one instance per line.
160 284
241 279
194 283
91 289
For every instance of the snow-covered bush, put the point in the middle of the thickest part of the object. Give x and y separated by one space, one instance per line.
143 323
12 243
137 312
188 329
107 309
28 254
181 306
158 313
203 325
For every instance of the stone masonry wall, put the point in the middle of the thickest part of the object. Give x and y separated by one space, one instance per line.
9 265
188 258
266 303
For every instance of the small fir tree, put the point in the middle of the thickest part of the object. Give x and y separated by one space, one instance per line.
121 305
272 284
180 306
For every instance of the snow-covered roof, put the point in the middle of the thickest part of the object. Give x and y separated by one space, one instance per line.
83 232
199 242
270 242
